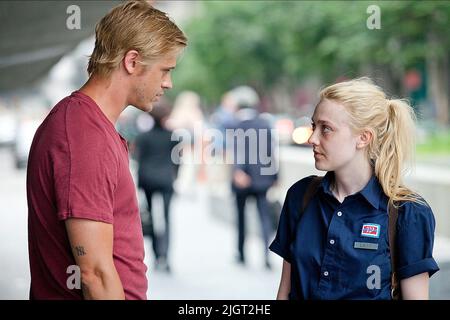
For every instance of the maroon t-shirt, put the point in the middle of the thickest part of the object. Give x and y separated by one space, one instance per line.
78 168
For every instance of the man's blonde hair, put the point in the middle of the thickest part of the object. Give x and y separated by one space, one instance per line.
133 25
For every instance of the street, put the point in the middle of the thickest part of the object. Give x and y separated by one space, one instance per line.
202 252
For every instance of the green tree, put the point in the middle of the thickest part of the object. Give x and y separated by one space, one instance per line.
275 45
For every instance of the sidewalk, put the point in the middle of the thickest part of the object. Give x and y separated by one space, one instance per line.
202 252
202 258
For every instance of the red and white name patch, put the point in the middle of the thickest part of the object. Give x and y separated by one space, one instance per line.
371 230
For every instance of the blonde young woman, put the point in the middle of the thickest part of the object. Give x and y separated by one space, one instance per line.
338 247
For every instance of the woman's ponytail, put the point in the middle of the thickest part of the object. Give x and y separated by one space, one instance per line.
396 150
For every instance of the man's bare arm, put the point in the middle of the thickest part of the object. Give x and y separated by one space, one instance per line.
92 247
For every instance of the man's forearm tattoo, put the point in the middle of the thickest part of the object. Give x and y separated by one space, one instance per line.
80 251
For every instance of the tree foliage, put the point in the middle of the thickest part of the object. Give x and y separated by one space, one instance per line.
265 43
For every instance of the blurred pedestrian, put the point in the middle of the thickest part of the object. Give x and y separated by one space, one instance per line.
253 139
156 175
186 112
188 123
339 235
223 118
83 217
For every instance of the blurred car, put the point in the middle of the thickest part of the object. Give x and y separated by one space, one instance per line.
25 130
302 132
283 124
31 109
7 127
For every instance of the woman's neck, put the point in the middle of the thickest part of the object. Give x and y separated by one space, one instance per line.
350 180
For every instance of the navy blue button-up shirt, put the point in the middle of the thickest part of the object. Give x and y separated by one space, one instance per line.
341 250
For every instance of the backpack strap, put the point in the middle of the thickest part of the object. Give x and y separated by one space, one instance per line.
395 283
309 193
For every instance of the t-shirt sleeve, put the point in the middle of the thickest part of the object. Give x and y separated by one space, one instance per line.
86 172
415 238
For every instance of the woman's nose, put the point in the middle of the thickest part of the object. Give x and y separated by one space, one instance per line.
313 138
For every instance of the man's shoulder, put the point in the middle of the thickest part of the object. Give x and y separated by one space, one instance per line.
76 120
60 110
54 124
61 105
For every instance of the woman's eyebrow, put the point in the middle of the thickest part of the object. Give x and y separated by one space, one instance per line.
320 121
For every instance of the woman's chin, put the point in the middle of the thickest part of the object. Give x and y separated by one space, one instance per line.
321 166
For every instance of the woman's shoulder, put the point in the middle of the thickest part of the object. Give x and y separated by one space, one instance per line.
415 212
299 187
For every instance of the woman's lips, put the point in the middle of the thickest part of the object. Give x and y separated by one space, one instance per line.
317 154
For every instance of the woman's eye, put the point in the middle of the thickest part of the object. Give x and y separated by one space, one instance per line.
326 129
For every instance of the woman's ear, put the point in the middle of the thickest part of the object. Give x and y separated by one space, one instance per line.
364 139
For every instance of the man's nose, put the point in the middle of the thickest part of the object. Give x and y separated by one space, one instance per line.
167 83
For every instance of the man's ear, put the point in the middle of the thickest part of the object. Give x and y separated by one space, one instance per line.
130 61
364 139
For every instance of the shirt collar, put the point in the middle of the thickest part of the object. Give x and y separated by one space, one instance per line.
371 192
326 182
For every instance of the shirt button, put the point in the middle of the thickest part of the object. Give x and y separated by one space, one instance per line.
339 214
332 241
325 273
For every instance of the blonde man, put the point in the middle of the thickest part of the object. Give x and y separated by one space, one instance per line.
83 213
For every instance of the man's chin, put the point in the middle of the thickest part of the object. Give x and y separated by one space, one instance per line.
149 107
146 108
